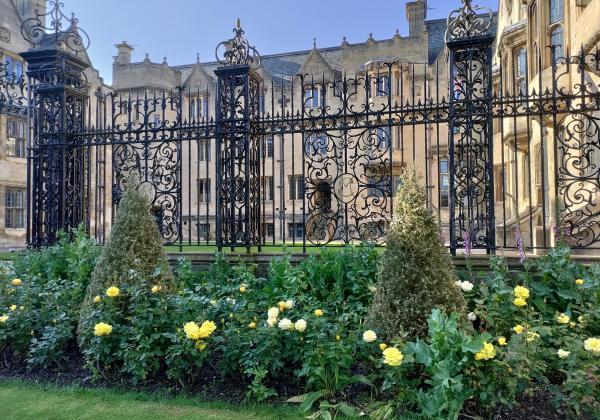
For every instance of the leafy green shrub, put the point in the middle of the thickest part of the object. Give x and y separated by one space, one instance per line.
416 273
561 311
43 310
135 245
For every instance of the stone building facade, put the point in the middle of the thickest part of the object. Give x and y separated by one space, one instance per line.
526 30
14 126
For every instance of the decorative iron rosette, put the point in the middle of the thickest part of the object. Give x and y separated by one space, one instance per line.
238 50
468 21
53 33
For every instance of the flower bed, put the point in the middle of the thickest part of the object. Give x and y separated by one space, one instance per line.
300 333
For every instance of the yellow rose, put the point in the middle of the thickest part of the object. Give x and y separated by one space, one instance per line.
192 331
563 353
563 319
21 308
112 292
206 329
281 305
518 329
252 325
531 336
300 325
392 356
369 336
102 328
200 345
338 338
521 292
285 324
579 282
97 299
13 307
16 282
520 302
3 319
502 341
289 304
487 352
273 312
318 312
592 345
242 289
156 289
382 346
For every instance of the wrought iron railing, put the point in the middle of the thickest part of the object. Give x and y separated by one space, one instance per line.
310 161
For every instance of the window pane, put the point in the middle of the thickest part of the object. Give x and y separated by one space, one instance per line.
443 165
556 10
556 39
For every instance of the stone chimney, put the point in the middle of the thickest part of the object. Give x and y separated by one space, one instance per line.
123 53
416 13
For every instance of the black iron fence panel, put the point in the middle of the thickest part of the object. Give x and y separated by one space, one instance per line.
509 162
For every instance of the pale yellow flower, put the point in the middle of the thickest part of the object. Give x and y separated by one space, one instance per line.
382 346
16 282
273 312
252 325
369 336
502 341
563 353
579 282
285 324
592 345
300 325
563 319
96 299
3 319
156 289
13 307
318 312
518 329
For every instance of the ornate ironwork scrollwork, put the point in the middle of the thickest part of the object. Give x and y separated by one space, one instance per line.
238 50
54 33
468 22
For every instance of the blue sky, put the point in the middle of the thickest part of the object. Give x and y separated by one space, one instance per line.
178 29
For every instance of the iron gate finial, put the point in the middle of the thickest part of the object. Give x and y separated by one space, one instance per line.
468 21
238 50
40 33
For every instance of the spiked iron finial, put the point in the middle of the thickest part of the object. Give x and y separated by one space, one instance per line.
62 31
468 21
238 50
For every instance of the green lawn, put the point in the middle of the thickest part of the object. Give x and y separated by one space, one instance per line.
31 401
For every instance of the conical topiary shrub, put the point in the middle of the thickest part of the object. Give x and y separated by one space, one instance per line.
416 273
135 244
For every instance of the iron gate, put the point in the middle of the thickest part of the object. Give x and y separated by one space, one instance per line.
316 163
